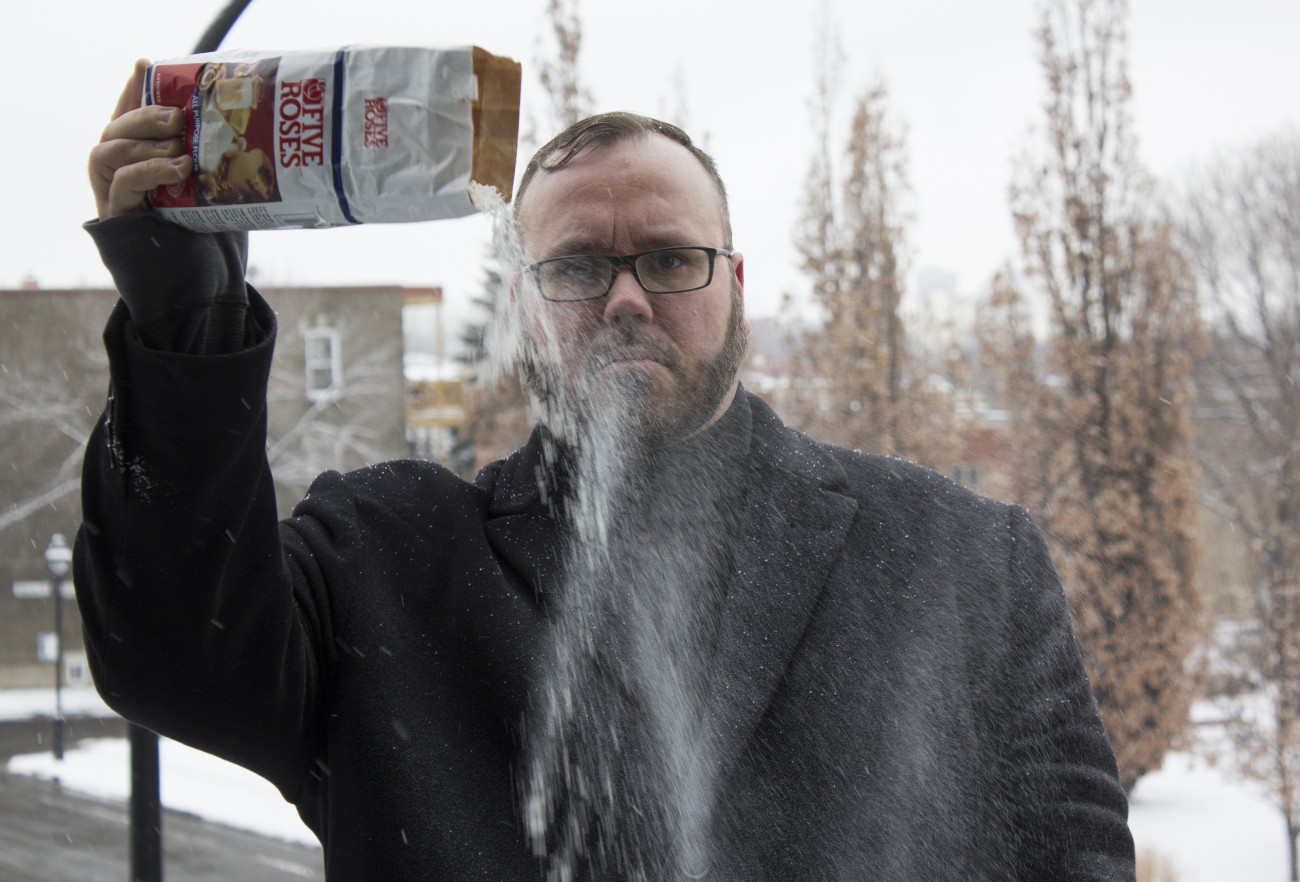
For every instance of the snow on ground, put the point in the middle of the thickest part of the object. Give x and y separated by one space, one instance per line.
191 781
1211 827
28 704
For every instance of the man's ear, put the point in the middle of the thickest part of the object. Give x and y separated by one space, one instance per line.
738 267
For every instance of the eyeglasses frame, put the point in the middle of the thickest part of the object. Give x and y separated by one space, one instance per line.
629 260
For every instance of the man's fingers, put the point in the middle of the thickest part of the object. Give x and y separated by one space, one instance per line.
140 149
108 156
145 123
130 97
130 184
139 141
136 162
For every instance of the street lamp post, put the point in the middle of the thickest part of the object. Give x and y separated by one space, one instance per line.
58 560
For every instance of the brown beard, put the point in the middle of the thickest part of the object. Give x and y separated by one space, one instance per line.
657 422
700 396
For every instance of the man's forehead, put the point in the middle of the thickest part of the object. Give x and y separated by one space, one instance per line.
616 162
648 238
661 177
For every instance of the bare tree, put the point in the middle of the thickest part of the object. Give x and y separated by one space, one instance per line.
51 391
336 397
53 380
347 429
55 420
1243 229
1103 421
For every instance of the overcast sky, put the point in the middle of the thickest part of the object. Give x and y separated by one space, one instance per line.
963 77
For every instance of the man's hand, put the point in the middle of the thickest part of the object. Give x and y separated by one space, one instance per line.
140 149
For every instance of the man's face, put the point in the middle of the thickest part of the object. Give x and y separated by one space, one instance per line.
677 353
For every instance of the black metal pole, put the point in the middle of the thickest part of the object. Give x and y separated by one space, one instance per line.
146 807
57 587
220 26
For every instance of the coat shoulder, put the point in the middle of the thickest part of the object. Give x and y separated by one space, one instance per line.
394 492
876 481
901 482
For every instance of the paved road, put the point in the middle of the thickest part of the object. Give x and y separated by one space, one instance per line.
50 835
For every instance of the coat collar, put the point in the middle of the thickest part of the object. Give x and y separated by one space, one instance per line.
520 525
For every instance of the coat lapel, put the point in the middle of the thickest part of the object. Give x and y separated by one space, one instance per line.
796 527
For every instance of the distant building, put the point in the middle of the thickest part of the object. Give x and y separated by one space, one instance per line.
337 395
435 417
435 392
337 401
938 302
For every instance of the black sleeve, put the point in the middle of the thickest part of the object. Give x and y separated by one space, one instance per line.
197 623
1072 813
184 291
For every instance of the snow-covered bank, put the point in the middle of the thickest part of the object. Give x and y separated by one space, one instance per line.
192 781
1212 828
27 704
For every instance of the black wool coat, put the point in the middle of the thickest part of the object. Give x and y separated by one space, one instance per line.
898 690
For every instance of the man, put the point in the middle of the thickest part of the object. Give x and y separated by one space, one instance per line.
668 638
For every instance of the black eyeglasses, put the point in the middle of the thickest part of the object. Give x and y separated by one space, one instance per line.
591 276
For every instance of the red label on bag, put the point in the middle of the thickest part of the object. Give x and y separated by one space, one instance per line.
174 85
229 131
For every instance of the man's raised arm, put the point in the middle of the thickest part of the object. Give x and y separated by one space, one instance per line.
197 623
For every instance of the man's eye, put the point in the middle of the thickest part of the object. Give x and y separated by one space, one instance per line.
666 261
583 267
579 270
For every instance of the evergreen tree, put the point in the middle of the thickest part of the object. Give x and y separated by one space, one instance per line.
496 408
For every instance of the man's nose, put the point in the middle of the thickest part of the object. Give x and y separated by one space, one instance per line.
627 300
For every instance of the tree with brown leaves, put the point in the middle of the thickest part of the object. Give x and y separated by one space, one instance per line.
854 381
560 74
1103 432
